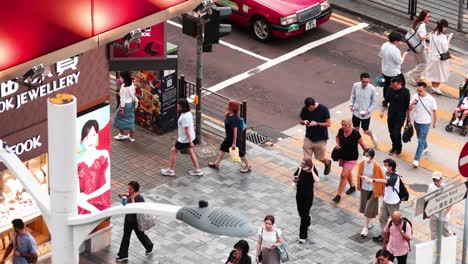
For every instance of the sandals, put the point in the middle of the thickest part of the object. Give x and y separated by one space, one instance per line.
246 169
213 165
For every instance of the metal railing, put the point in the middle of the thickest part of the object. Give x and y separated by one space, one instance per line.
454 11
213 105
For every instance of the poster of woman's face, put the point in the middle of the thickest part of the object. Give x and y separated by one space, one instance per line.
93 138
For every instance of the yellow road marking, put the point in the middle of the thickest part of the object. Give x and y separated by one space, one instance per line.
454 69
349 20
446 88
342 22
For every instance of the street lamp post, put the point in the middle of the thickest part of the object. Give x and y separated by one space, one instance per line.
59 210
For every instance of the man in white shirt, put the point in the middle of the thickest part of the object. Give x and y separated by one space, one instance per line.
392 60
424 108
435 185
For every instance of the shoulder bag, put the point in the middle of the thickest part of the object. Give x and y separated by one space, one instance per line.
413 42
282 249
260 257
443 56
424 106
31 260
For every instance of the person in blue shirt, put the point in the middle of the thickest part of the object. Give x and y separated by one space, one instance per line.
23 245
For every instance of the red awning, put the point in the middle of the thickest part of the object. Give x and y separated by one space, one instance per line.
31 30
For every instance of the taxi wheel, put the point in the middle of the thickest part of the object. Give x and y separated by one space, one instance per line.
261 28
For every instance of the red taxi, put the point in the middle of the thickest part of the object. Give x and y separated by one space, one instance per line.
278 18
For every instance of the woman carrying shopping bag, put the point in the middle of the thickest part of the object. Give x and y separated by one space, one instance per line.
232 126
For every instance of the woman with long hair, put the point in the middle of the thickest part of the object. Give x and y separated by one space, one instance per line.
185 141
232 126
93 172
124 118
438 70
269 238
347 141
419 26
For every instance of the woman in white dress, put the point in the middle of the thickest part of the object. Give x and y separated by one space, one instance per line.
438 70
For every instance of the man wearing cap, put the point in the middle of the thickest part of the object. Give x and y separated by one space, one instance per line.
434 186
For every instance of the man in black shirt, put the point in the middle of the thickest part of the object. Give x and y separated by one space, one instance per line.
131 224
398 101
316 118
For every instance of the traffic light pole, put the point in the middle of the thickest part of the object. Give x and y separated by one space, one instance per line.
198 113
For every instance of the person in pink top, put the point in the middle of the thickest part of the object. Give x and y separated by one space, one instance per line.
397 236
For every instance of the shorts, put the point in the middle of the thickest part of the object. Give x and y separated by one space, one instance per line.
348 164
369 204
318 148
184 146
364 123
227 144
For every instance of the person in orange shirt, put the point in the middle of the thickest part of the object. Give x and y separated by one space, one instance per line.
370 192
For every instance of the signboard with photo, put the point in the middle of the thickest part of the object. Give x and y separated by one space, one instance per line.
94 160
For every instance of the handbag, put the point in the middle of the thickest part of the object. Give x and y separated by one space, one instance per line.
145 222
413 42
408 132
283 250
443 56
336 154
260 257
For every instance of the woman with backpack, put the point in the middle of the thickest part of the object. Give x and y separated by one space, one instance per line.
233 139
419 27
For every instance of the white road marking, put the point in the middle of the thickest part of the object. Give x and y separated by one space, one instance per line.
285 57
464 161
229 45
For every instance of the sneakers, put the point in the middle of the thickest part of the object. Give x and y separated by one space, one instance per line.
327 169
460 124
415 164
120 137
455 122
436 90
375 140
120 259
351 190
425 151
195 172
167 172
131 139
302 241
391 151
337 199
364 232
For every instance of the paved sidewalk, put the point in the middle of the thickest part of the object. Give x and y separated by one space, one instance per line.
393 19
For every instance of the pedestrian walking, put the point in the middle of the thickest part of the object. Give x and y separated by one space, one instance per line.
419 26
185 141
392 59
382 257
424 108
438 70
363 100
436 184
305 177
397 101
370 192
316 118
240 254
391 200
124 118
233 139
347 141
22 244
131 224
397 235
269 238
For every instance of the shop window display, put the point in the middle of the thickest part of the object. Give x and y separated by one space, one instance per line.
15 202
148 91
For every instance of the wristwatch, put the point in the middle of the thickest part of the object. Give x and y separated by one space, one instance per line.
402 231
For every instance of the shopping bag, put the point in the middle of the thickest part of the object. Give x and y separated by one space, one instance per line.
234 155
145 222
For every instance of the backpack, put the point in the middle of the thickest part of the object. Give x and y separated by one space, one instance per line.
403 193
404 220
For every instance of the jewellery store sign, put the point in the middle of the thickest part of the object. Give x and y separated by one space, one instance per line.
85 76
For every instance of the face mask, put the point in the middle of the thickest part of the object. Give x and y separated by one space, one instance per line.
384 168
364 158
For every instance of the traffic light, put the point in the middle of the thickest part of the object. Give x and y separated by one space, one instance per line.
214 30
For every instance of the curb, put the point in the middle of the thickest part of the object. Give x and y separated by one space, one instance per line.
386 24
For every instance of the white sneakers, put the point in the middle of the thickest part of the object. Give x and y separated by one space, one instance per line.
457 122
436 90
167 172
415 164
364 232
302 241
195 172
131 139
120 137
425 151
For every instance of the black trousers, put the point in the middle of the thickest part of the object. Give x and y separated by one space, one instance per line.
144 239
304 203
395 123
388 80
401 259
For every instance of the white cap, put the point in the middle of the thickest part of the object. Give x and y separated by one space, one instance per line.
437 175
